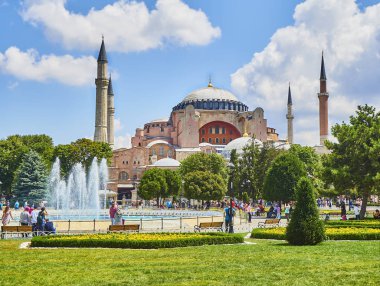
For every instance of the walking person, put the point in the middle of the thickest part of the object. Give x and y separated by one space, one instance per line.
287 212
357 211
7 216
343 212
229 218
33 220
278 211
113 210
41 220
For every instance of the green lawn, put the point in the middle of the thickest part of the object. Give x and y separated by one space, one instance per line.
265 263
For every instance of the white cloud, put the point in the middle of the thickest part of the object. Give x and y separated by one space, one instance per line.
127 25
13 85
350 39
117 125
123 141
30 65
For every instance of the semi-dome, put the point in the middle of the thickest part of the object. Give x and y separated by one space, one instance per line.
167 162
238 144
210 93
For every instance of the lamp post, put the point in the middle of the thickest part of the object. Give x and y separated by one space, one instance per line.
231 226
180 197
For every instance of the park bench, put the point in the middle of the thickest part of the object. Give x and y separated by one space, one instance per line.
15 230
124 228
270 223
215 225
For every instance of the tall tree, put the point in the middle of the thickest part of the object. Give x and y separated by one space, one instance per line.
153 185
312 163
305 227
354 162
31 179
81 151
174 182
213 163
12 150
204 185
282 178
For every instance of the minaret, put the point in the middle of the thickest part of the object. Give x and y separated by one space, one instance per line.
323 97
101 97
290 117
110 114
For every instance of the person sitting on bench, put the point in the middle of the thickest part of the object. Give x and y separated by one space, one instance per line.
49 227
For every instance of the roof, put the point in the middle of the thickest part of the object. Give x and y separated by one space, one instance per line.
209 93
110 89
157 142
160 120
323 73
167 162
102 57
239 143
289 97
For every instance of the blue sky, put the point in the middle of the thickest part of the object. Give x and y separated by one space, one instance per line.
159 51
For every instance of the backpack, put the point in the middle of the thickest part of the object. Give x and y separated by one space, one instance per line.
40 219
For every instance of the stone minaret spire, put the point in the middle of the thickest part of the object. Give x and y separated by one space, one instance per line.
101 97
290 117
110 114
323 97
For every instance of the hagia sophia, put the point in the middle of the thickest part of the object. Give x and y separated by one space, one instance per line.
209 119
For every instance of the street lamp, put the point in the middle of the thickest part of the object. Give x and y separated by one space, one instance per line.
180 197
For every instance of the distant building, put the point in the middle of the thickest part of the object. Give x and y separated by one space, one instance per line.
206 120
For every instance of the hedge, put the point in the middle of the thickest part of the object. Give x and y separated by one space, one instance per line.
344 233
354 223
136 240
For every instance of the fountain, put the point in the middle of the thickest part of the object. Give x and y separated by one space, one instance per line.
80 194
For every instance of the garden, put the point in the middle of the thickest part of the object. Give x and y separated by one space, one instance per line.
136 240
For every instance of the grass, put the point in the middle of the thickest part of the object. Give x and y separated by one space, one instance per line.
265 263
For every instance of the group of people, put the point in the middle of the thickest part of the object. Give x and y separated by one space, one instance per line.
35 217
116 214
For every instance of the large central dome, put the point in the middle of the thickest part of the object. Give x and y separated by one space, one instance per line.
211 98
210 93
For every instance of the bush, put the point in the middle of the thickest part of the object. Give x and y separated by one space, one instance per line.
352 233
136 240
305 227
353 223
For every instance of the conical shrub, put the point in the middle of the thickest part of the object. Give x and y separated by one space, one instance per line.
305 227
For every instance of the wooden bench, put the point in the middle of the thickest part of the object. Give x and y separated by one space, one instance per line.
270 223
123 228
216 225
15 230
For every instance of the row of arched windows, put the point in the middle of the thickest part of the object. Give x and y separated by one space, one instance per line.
213 105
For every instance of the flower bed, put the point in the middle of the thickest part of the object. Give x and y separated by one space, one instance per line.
354 223
344 233
136 240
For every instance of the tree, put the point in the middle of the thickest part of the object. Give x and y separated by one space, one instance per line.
31 179
312 163
12 150
204 185
354 162
153 185
305 227
81 151
282 178
174 182
212 163
253 166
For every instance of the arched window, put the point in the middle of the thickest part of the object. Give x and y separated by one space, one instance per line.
170 153
123 176
217 141
161 151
